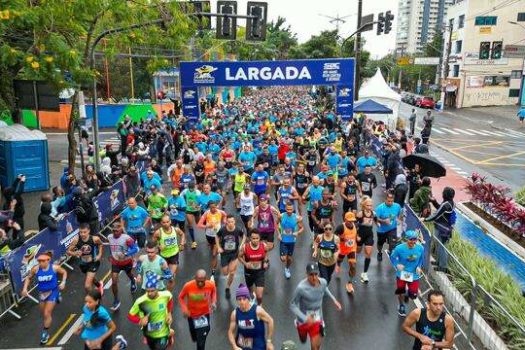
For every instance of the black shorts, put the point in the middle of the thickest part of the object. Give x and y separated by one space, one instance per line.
254 277
140 238
196 214
286 249
198 334
367 239
107 344
347 206
179 224
228 257
211 240
126 268
157 343
267 236
172 260
89 267
389 236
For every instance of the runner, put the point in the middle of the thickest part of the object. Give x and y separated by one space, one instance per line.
313 194
157 205
153 264
387 215
97 327
211 221
251 327
307 305
171 241
326 251
48 287
367 182
123 248
246 202
207 196
260 180
286 194
177 209
228 240
434 327
267 217
407 259
193 210
301 180
291 226
348 191
323 212
365 233
197 299
90 250
312 159
135 219
253 256
347 233
152 311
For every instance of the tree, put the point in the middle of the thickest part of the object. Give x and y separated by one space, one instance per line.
324 45
46 39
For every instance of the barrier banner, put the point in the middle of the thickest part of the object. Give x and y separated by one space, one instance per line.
344 101
412 222
190 103
110 202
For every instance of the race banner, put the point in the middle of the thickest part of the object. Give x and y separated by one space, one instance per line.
190 103
344 101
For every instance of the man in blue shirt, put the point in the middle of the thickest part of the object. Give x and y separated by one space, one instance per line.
135 219
247 159
333 159
151 180
260 180
365 160
207 196
407 259
387 215
177 209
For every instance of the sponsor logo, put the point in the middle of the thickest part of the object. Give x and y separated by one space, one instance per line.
345 92
204 74
189 94
344 105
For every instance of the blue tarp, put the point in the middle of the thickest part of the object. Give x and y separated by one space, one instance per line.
371 107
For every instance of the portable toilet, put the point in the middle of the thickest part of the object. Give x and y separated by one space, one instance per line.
24 151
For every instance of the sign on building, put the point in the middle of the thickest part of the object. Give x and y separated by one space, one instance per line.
426 61
485 30
405 61
514 51
475 61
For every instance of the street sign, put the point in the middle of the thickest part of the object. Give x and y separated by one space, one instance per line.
514 51
426 61
405 61
366 22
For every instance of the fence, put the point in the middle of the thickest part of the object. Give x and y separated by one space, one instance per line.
19 262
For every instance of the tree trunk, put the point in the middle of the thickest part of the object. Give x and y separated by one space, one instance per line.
71 127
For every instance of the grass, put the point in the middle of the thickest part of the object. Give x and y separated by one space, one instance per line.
520 197
497 283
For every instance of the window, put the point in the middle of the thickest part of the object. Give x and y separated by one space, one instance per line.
496 80
486 20
515 74
461 21
514 92
521 17
451 23
459 45
455 71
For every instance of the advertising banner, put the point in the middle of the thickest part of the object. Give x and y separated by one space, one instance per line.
190 103
268 73
344 101
412 222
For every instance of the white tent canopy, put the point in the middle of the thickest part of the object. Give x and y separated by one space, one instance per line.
378 90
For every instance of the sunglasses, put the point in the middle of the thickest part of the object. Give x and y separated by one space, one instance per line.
329 228
413 239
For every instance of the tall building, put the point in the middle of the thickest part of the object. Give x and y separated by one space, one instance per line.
486 65
417 23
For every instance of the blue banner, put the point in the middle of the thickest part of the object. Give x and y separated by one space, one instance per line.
412 222
345 101
190 103
333 71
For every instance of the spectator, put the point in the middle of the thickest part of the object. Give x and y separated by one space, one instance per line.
420 202
15 192
412 119
45 219
85 209
400 189
105 167
112 155
132 182
90 178
59 202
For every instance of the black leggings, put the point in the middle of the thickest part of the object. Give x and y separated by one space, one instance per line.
326 272
199 335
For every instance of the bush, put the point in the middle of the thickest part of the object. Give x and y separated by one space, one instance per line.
497 283
520 197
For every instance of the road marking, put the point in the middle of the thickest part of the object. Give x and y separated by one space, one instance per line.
516 132
478 132
71 331
455 168
501 157
61 329
487 144
464 132
491 132
437 130
452 132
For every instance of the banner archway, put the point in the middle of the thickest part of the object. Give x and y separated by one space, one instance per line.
331 71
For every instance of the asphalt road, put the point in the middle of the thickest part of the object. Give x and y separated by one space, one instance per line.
369 318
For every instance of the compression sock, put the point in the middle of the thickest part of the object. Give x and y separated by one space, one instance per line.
367 264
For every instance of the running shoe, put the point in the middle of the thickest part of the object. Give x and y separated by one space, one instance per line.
44 337
287 273
100 288
364 277
116 305
402 310
212 278
350 288
133 286
227 293
193 245
379 256
122 342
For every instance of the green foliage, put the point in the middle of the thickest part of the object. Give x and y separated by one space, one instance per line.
324 45
496 282
520 197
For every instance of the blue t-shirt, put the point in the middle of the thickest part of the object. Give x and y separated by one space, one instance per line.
135 218
411 259
177 208
288 227
204 199
333 160
392 212
248 159
92 331
261 180
362 162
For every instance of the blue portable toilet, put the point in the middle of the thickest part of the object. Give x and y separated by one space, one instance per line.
24 151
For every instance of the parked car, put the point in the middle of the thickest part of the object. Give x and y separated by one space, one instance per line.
426 102
412 100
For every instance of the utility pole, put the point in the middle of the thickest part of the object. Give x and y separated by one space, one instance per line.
445 68
357 49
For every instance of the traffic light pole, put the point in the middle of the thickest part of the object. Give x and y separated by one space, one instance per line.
357 50
445 69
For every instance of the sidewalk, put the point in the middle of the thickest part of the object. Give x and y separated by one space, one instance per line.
499 117
454 180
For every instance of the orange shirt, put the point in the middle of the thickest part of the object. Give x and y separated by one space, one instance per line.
197 300
348 240
209 167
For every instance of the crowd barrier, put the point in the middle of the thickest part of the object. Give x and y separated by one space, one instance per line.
19 261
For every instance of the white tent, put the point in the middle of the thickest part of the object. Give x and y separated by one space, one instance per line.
378 90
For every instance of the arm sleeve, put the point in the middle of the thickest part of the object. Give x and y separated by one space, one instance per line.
294 305
133 248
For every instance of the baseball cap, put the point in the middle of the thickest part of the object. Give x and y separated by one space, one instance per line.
350 216
175 191
263 197
411 234
289 345
312 267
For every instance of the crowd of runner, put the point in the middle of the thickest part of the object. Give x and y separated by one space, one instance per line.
251 176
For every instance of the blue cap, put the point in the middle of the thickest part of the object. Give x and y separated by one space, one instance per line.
411 234
152 281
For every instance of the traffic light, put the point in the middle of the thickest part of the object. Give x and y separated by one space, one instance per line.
256 27
380 23
388 21
497 47
484 50
204 22
226 25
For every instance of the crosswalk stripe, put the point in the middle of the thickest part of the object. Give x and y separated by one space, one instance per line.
510 135
437 130
464 132
452 132
491 132
478 132
514 132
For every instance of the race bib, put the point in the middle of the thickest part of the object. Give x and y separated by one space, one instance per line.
326 253
255 265
288 232
174 212
155 326
301 185
365 186
245 343
200 322
315 314
44 295
407 276
311 162
246 208
230 245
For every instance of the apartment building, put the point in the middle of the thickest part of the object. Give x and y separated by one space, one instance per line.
486 62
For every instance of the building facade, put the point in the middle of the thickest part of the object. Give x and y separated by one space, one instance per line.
487 52
417 23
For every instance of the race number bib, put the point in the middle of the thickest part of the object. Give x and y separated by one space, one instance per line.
155 326
349 242
288 232
245 343
407 276
200 322
174 212
230 245
365 186
315 314
255 265
326 254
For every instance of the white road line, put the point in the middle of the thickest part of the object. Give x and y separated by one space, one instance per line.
452 132
70 332
478 132
455 168
464 131
514 132
46 348
491 132
437 130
